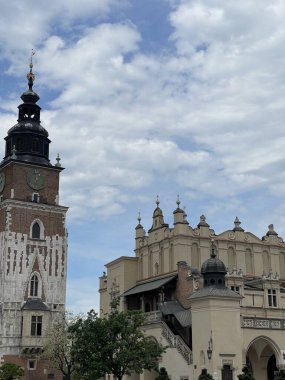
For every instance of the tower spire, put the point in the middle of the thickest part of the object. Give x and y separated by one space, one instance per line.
28 137
31 75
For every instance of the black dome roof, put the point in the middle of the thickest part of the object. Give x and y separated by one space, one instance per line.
28 140
214 270
213 265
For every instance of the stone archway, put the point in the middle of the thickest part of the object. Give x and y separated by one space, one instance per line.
262 356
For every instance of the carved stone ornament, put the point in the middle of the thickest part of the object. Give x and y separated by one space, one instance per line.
196 231
232 235
211 233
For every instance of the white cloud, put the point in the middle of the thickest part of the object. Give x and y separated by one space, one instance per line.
28 25
204 119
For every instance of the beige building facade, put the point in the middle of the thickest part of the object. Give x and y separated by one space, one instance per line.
216 300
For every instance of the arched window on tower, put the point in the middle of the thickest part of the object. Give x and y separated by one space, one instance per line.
36 231
34 286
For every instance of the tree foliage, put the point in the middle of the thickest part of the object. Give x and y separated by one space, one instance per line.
246 374
280 375
10 371
162 374
115 344
205 375
58 349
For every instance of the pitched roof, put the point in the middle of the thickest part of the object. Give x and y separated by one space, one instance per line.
35 304
214 291
148 286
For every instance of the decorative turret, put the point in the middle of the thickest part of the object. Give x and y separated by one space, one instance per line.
158 220
203 222
214 270
27 140
139 228
237 226
271 231
179 214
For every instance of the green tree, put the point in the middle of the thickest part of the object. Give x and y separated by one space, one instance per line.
58 348
246 375
115 344
9 371
162 374
205 375
280 375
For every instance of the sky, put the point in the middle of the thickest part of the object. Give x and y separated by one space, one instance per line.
152 97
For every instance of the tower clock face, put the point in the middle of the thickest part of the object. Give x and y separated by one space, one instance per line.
36 179
2 181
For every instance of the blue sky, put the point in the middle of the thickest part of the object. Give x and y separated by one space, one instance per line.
146 97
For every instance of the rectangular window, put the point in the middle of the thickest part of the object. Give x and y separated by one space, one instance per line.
36 325
272 298
235 289
36 197
22 321
32 364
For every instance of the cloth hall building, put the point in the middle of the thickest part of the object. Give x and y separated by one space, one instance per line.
33 242
216 300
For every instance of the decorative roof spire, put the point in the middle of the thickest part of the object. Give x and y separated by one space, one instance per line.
139 226
157 201
178 201
203 222
58 164
31 75
237 224
271 230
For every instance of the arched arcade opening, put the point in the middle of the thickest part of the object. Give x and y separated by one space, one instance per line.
262 358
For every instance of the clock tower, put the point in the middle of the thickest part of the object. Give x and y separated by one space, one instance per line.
33 241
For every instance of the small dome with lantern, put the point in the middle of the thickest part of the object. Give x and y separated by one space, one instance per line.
213 269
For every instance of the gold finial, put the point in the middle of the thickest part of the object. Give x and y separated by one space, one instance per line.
31 75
